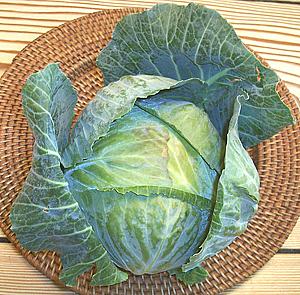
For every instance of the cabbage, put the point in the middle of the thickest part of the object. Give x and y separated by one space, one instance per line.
154 175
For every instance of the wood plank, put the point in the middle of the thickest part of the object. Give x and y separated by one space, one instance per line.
36 17
283 271
85 6
3 68
18 277
274 7
293 241
281 275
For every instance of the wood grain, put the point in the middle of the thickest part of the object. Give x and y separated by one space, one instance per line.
275 278
18 277
271 29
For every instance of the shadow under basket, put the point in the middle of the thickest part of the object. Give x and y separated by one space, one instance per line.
75 45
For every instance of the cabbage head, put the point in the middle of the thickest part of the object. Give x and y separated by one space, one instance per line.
154 176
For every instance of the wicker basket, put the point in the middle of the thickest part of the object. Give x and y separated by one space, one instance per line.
75 45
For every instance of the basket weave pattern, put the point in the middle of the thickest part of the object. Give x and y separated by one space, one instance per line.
75 45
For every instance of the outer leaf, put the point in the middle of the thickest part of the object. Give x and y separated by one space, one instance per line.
191 277
55 90
146 234
45 215
193 41
110 103
237 197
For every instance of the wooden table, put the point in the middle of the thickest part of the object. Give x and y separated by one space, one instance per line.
271 29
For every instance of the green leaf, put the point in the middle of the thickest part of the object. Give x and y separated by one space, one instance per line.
142 150
51 91
45 215
237 196
182 42
146 234
111 102
191 122
191 277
